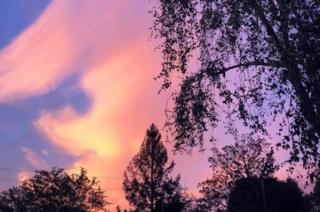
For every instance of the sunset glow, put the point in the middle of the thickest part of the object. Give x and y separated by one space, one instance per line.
78 89
114 62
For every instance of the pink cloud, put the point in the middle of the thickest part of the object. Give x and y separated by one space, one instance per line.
107 44
124 103
24 175
34 158
52 47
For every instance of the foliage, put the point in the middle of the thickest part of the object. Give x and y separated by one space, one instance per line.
147 184
259 63
315 197
248 157
246 195
55 190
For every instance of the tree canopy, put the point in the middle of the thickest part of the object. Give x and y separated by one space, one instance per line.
55 190
259 63
246 195
147 184
248 157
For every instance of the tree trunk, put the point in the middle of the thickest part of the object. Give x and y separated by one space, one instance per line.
263 195
152 180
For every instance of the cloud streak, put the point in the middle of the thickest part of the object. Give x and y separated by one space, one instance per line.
106 43
34 159
50 49
123 105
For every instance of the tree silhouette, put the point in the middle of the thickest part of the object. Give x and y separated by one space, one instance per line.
147 184
261 58
246 195
315 197
248 157
55 190
118 209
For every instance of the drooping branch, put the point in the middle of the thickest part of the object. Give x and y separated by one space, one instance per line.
270 63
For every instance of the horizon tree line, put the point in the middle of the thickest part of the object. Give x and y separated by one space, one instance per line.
242 180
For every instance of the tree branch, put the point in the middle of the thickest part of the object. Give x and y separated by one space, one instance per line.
270 63
268 27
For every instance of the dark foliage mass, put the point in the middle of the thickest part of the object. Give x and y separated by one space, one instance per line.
247 195
259 63
314 197
147 184
248 157
54 190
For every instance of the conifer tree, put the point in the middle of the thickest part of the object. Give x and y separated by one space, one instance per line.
147 184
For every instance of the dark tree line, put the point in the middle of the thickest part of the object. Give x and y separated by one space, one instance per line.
247 195
270 48
54 190
242 180
248 158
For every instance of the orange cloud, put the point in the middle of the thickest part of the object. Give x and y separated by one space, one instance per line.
124 102
107 44
117 73
24 175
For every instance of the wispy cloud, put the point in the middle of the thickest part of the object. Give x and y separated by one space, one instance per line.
123 105
34 158
50 49
106 42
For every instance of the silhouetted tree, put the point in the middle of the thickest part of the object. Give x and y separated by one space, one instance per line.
315 197
118 209
246 195
260 57
147 184
248 157
55 190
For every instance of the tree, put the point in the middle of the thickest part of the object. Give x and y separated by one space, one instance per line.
118 209
246 195
147 184
248 157
315 197
55 190
270 48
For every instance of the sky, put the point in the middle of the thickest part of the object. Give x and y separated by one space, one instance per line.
77 90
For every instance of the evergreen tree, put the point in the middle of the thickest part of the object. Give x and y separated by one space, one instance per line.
147 184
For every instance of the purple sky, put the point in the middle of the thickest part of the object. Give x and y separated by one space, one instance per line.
77 89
